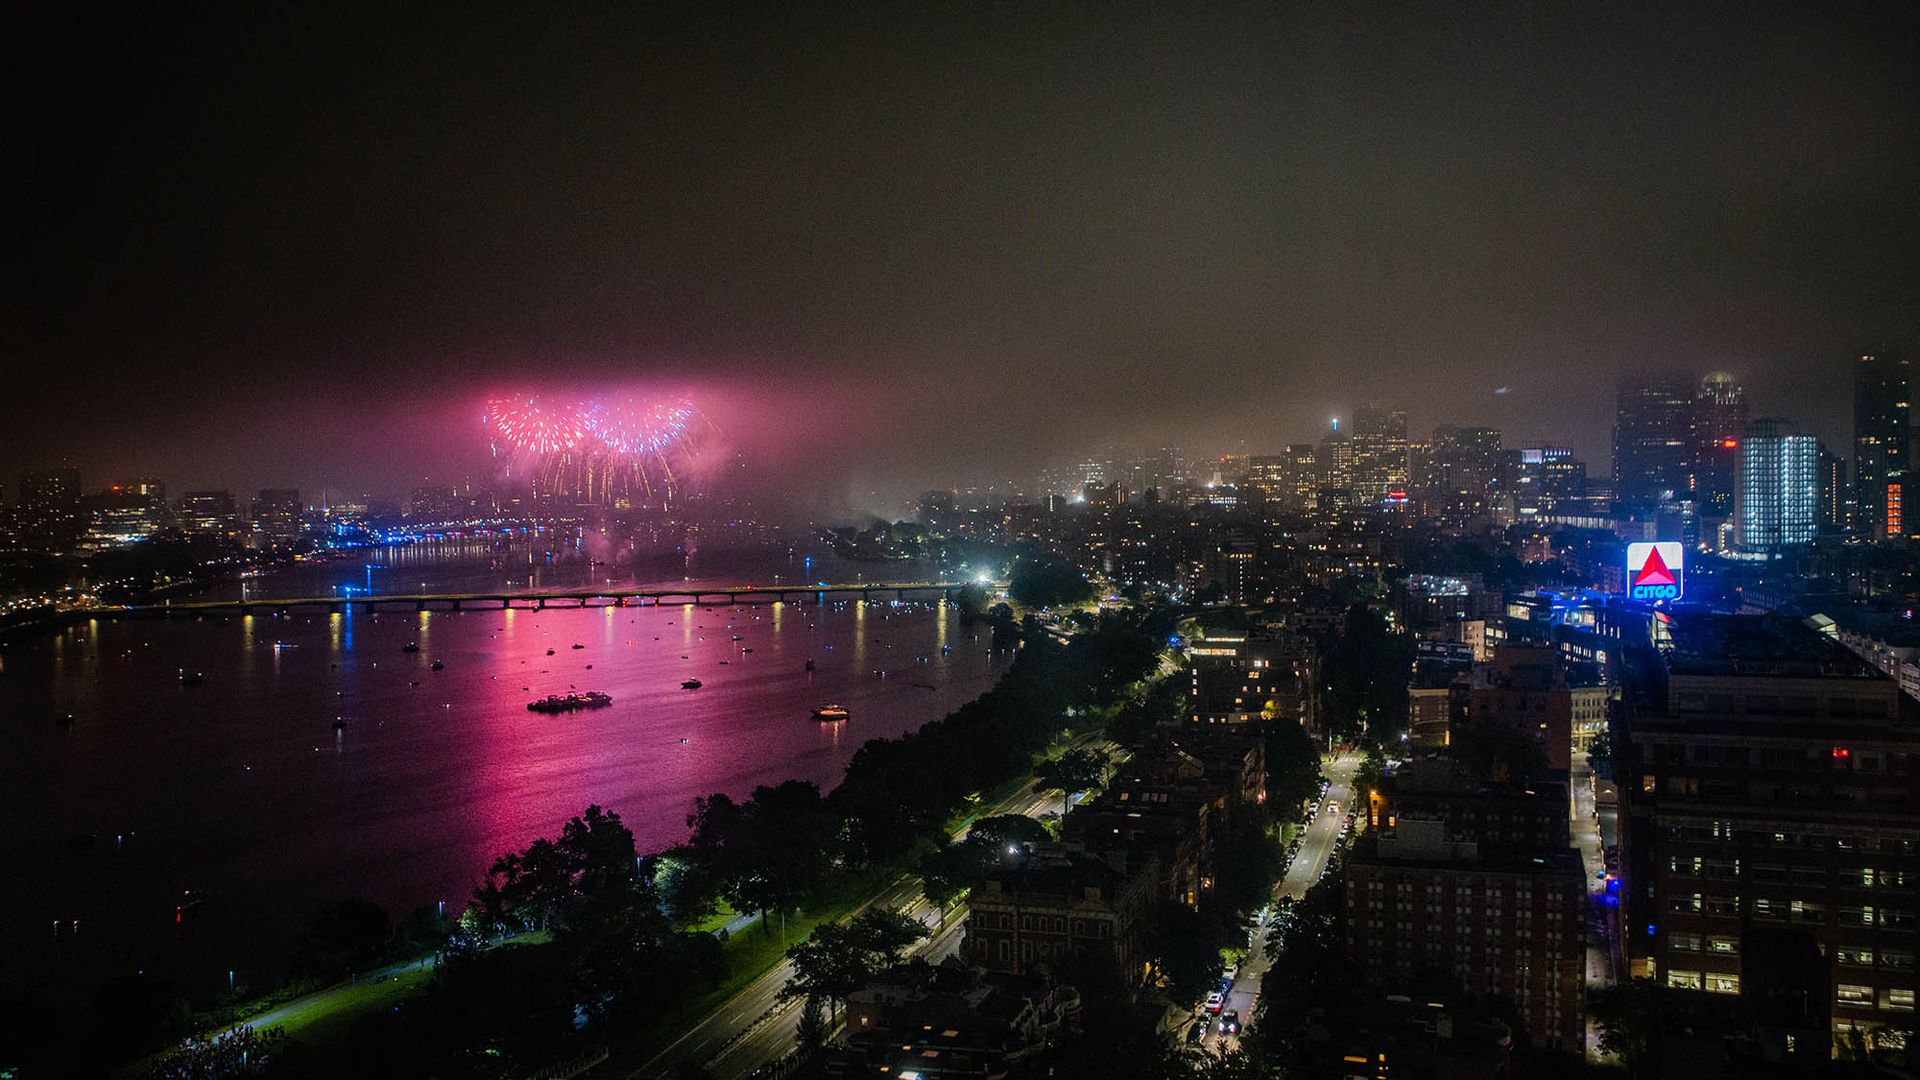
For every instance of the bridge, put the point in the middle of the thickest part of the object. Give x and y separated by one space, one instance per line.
541 599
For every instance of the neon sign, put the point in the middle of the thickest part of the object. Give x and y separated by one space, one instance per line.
1655 571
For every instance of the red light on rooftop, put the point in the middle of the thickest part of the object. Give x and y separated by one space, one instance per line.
1728 444
1842 752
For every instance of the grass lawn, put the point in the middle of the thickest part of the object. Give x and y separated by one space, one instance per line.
320 1019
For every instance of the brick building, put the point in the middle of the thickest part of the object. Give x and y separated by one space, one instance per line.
1767 783
1048 901
1236 679
1430 914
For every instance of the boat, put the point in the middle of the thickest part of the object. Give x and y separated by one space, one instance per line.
558 703
809 665
191 678
577 645
831 714
737 637
549 652
411 646
690 684
339 725
436 665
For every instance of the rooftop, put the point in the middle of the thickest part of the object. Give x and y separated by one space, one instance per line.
1758 645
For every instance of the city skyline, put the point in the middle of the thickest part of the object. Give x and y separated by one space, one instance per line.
941 542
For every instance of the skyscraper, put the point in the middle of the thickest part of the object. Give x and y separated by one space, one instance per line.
1464 472
1379 444
1653 444
276 517
209 513
1779 493
1336 470
1833 512
1880 419
49 510
1547 479
1719 417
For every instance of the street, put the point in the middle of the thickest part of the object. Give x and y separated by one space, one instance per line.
1317 847
754 1028
1594 828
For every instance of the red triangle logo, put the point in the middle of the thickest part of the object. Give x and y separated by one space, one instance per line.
1654 571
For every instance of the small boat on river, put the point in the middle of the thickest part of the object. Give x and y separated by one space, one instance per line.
557 703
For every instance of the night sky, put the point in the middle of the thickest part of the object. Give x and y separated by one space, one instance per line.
919 244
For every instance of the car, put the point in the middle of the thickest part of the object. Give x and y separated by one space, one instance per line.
1215 1001
1230 1023
1197 1032
1226 984
1333 808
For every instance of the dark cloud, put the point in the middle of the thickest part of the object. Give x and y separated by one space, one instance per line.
294 242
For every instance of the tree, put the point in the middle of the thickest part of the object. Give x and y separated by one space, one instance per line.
885 934
995 834
600 849
811 1032
1075 770
946 873
972 602
1366 671
1045 582
1625 1018
828 966
1187 946
840 958
1293 768
766 853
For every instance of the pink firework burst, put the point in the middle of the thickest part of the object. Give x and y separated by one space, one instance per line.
537 427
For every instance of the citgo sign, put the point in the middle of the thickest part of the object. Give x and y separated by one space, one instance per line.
1656 571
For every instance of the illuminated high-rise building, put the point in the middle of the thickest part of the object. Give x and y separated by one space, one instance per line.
1335 459
1779 494
276 517
1834 506
1547 480
48 515
1881 414
209 513
1465 469
1379 442
1267 479
1653 444
1719 417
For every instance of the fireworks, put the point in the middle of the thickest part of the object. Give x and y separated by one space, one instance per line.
608 450
537 427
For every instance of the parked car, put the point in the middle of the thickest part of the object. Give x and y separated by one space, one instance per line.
1230 1023
1197 1032
1215 1001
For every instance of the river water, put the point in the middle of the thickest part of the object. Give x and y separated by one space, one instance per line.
241 789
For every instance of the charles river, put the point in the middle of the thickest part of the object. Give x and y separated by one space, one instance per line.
190 828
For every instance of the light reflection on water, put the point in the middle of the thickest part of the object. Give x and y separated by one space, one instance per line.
241 789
